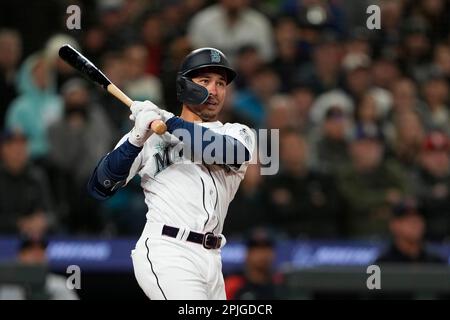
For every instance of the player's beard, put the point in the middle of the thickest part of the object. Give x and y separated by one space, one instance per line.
206 112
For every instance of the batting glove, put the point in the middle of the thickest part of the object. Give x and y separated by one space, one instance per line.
142 130
139 106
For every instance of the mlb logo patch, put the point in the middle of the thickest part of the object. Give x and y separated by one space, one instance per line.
215 56
245 135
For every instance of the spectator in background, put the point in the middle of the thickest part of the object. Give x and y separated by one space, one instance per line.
331 145
287 59
77 142
253 102
368 184
303 98
258 280
248 61
113 65
327 100
407 228
229 113
112 17
303 201
32 252
356 68
358 42
386 39
415 47
139 85
229 25
319 13
82 136
61 69
432 184
152 36
352 10
33 224
93 42
10 55
132 11
358 74
322 74
24 189
441 60
385 72
367 112
405 99
191 7
407 138
436 94
281 113
309 36
249 206
174 15
38 105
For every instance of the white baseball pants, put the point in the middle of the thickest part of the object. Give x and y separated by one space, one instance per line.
173 269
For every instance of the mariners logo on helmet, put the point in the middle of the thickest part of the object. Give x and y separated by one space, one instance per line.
215 56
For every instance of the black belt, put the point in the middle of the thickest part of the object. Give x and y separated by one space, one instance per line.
208 240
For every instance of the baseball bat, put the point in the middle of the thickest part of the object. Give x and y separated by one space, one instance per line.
86 67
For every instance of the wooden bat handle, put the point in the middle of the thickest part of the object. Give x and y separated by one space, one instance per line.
116 92
157 126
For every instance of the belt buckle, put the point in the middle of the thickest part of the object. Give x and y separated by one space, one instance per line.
206 238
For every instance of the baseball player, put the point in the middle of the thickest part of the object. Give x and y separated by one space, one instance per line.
188 189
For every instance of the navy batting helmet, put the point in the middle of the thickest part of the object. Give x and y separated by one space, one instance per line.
190 92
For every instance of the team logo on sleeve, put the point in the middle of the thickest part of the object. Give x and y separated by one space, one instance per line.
245 135
215 56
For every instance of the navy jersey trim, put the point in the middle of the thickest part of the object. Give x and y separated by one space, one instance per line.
217 197
153 271
215 187
204 206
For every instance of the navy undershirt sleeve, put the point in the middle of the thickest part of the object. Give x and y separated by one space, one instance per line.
231 146
112 171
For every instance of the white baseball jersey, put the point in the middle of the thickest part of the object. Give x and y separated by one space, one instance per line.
184 194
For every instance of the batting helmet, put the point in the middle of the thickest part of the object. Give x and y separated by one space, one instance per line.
190 92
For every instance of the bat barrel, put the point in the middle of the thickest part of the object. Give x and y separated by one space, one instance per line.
83 65
86 67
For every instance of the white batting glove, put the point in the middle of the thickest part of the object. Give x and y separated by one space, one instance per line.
142 130
165 115
139 106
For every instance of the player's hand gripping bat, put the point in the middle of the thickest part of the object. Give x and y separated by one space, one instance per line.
83 65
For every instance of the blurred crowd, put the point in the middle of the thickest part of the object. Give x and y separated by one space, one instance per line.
363 114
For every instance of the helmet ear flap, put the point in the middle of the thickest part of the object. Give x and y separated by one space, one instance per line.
189 92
